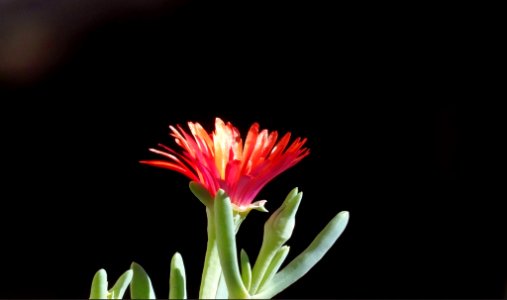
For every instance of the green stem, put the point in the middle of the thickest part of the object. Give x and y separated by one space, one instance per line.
212 270
275 265
261 265
222 292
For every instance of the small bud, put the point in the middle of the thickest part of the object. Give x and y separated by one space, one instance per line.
279 227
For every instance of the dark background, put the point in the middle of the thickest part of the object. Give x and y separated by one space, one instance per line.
374 90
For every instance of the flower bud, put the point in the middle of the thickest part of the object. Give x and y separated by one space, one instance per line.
278 228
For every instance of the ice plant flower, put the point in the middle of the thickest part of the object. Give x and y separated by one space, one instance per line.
227 175
220 160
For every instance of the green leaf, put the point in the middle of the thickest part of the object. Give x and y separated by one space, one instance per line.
99 285
201 193
307 259
121 285
177 278
246 269
140 287
226 244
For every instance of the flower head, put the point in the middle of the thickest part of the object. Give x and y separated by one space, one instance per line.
220 160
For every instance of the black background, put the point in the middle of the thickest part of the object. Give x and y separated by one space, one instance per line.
374 90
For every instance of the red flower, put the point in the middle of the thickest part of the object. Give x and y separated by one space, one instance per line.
220 160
